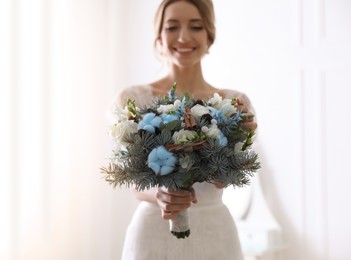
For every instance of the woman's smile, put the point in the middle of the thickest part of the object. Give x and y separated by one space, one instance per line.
184 51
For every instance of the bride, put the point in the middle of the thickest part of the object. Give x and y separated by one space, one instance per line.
185 31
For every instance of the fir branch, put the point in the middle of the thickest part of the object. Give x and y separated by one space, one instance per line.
245 161
115 175
210 149
164 138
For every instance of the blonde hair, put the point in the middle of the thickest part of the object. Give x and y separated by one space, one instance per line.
206 11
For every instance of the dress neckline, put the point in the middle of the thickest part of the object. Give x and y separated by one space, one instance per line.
224 93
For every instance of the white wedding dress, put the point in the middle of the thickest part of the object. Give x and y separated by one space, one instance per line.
213 231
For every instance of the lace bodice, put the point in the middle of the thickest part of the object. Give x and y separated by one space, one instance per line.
143 95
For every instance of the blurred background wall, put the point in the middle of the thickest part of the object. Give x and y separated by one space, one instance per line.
61 64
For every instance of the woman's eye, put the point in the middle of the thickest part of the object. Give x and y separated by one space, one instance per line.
197 28
171 28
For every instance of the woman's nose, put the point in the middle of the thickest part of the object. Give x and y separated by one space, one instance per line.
184 35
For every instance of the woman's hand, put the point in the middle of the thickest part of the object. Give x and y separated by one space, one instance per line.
218 185
243 105
172 202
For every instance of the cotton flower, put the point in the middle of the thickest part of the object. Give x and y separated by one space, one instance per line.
161 161
149 122
169 118
120 130
184 136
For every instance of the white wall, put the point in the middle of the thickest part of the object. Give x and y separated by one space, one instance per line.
61 63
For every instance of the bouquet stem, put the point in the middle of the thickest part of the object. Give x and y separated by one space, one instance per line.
180 225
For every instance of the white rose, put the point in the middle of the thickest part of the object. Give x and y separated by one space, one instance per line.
164 109
121 130
184 136
215 100
228 109
224 102
116 114
177 104
198 111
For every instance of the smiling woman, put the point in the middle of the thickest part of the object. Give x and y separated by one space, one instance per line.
283 53
61 61
184 32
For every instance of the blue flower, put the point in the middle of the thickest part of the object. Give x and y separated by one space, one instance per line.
222 140
149 122
161 161
213 111
167 118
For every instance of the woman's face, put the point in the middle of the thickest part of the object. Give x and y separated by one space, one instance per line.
184 39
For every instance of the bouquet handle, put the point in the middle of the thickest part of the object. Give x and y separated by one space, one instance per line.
179 226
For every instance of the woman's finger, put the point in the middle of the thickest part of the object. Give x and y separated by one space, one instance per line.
251 125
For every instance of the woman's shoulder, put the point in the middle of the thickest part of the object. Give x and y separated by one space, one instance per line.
230 93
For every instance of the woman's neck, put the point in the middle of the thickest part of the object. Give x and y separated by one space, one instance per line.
188 79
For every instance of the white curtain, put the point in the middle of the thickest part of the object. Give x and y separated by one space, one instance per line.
58 70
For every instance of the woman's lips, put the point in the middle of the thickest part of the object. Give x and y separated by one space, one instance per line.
184 51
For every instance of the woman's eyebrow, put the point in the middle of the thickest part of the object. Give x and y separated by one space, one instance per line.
196 20
172 21
177 21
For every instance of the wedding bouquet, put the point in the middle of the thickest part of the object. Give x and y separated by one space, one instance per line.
177 142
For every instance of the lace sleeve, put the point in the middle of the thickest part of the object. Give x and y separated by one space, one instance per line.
142 95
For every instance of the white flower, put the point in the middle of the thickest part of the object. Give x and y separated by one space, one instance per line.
215 100
184 136
213 132
225 105
204 129
117 114
164 109
120 130
198 111
227 108
186 162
